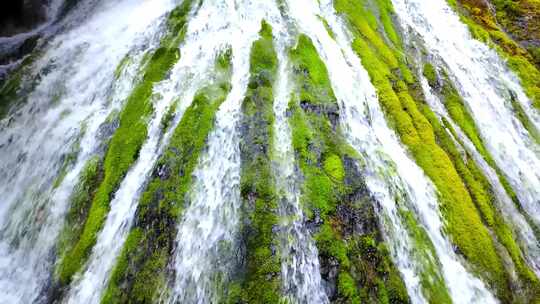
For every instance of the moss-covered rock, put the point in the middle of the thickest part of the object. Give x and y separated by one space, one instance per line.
355 263
509 29
408 114
140 271
126 142
261 282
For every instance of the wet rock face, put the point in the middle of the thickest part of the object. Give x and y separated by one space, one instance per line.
17 16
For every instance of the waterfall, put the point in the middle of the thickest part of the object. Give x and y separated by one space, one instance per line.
300 262
185 221
200 46
370 135
207 231
74 94
521 227
472 66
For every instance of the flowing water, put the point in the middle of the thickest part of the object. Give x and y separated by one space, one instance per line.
472 67
206 233
367 131
300 262
75 92
520 226
73 85
200 47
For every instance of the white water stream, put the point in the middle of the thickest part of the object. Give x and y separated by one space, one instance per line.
207 230
519 225
483 81
75 92
198 54
367 131
300 269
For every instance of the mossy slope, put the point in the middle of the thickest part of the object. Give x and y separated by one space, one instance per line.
480 189
126 142
462 205
354 260
261 282
140 271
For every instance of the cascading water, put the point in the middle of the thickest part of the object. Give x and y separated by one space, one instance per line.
185 79
207 231
520 225
75 93
471 66
371 137
90 60
300 266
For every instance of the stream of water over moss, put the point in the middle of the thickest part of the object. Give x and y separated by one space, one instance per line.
282 151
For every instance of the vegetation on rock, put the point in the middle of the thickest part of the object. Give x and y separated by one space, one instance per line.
140 270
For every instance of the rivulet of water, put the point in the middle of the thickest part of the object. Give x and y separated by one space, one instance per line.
485 83
300 268
367 131
521 228
76 89
207 230
198 54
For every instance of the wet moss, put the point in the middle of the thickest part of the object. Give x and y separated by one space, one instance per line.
126 142
484 199
334 195
261 281
527 123
14 86
81 200
68 160
477 184
141 271
333 166
315 87
431 279
407 116
431 75
462 117
8 92
483 196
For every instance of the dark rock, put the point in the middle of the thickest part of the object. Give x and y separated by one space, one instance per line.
18 16
329 274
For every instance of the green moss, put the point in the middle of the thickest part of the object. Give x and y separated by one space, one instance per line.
122 65
14 85
81 200
327 27
462 117
527 123
125 144
463 222
261 281
333 186
316 87
477 184
430 74
8 92
139 273
334 167
386 13
167 119
347 288
483 197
